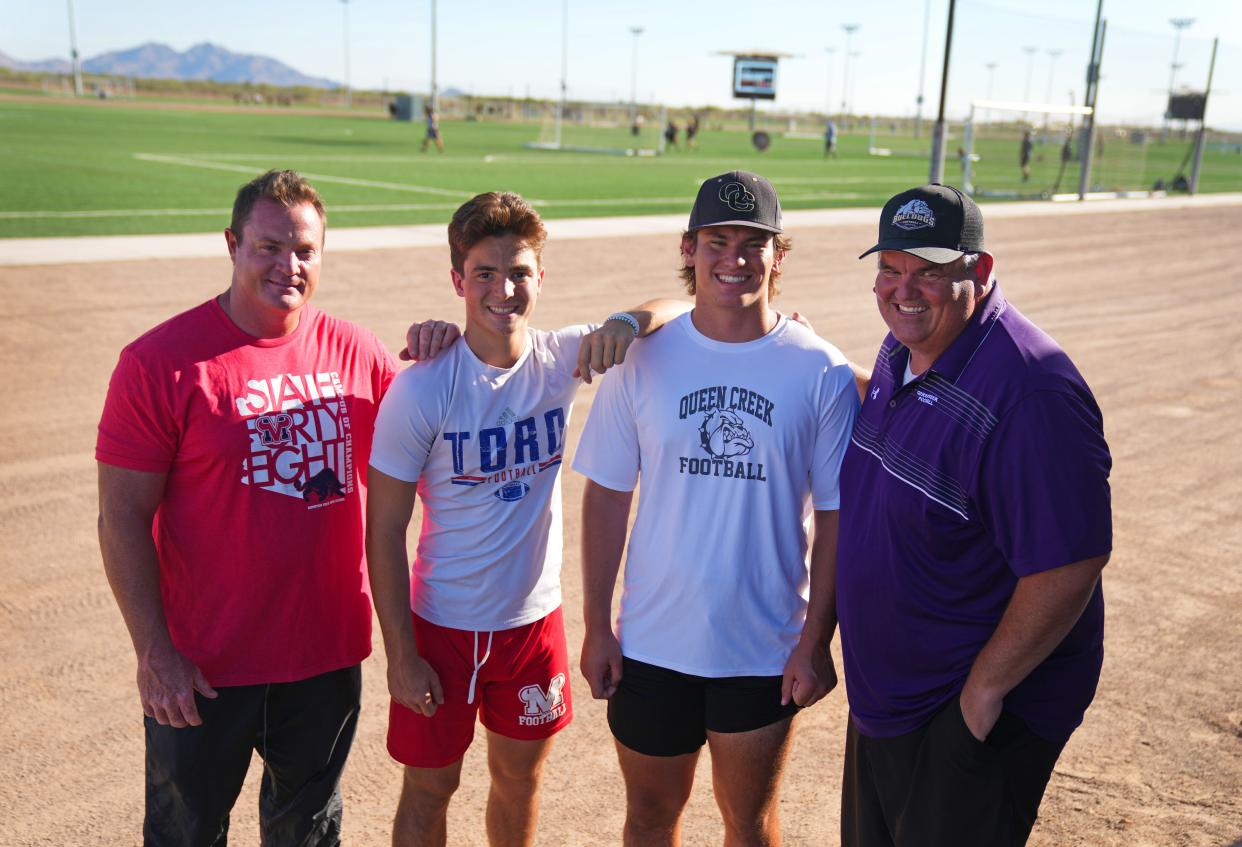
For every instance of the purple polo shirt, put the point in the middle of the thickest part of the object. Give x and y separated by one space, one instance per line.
990 466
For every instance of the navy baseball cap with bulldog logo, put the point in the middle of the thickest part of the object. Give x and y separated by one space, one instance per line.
738 198
934 222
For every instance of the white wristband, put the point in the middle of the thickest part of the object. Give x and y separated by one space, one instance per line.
625 317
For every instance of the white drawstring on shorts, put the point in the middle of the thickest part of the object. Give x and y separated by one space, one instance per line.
478 663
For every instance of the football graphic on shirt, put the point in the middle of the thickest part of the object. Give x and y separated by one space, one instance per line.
723 435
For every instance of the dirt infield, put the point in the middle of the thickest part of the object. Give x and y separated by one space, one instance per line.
1143 302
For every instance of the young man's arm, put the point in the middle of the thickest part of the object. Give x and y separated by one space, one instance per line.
809 672
412 682
605 513
606 346
167 680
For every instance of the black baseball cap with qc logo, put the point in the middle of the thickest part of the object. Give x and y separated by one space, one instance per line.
738 198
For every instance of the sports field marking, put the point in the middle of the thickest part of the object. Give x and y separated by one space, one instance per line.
86 249
305 157
898 179
191 213
343 180
376 207
555 158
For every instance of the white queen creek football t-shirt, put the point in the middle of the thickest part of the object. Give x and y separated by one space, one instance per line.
731 440
484 445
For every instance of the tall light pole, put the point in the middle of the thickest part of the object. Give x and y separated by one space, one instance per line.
1052 60
1179 24
636 31
435 89
854 54
828 84
73 53
845 86
348 95
1030 66
991 66
938 133
560 109
918 101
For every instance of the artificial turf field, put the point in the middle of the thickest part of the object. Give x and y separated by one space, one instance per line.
117 168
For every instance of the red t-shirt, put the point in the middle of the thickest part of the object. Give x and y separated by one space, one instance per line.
265 443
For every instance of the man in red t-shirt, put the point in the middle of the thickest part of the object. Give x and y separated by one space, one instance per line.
231 453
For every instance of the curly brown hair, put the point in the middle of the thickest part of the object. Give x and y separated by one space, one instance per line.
781 245
491 214
287 188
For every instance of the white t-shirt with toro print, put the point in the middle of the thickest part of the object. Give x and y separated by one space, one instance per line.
484 445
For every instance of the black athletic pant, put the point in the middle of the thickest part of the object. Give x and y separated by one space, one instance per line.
302 730
939 786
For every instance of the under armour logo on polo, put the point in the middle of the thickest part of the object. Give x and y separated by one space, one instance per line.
914 215
736 197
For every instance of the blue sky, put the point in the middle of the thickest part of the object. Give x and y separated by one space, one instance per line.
493 47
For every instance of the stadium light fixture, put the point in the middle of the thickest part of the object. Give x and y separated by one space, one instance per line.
635 31
348 96
73 53
845 86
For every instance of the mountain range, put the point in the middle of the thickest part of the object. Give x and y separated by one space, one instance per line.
200 62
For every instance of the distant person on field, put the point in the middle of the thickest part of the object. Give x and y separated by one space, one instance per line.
478 435
1067 153
975 522
670 134
432 118
692 130
231 453
830 139
734 418
1026 147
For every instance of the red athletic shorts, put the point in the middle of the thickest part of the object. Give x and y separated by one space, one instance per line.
521 689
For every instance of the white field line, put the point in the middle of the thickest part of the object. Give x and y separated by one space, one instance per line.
380 207
343 180
87 249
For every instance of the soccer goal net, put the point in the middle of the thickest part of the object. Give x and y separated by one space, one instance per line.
617 129
1020 150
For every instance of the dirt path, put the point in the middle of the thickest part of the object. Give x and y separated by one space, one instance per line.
1144 303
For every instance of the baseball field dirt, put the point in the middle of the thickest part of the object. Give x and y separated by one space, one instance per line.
1143 301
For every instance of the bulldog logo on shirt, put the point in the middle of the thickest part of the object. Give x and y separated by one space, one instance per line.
723 435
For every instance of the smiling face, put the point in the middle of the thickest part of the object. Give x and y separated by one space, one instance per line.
500 281
732 265
276 264
926 306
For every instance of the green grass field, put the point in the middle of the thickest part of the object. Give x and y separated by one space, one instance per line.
98 169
